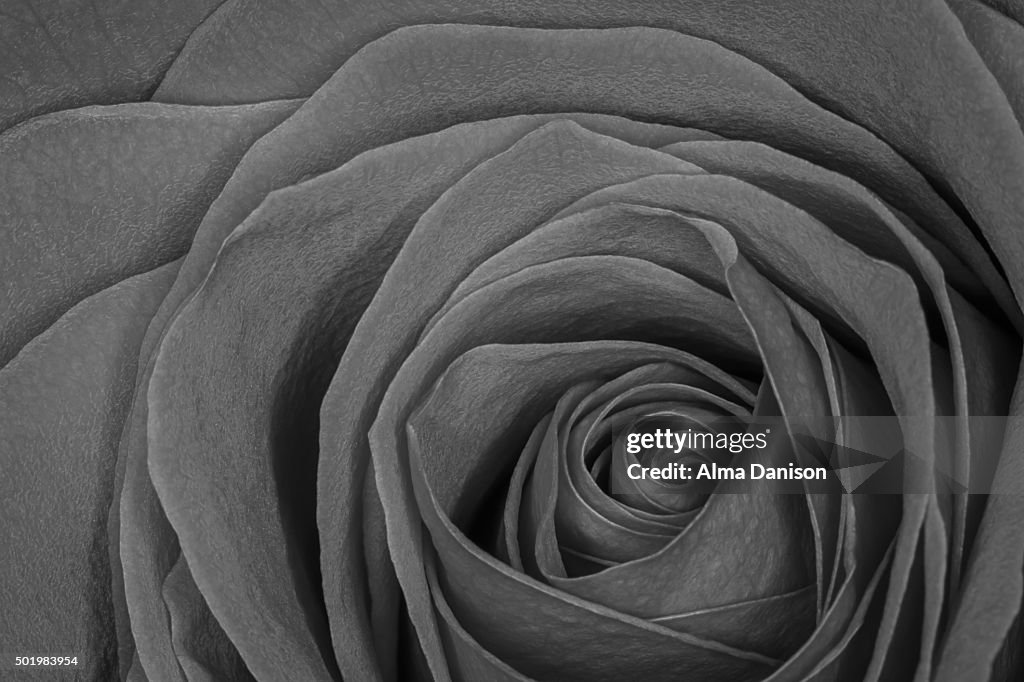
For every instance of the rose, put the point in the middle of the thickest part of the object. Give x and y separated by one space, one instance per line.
435 256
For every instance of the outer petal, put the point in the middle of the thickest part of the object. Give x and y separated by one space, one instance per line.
913 78
63 401
58 55
92 196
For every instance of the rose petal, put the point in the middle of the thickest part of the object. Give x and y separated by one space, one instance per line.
559 527
673 506
58 55
1000 42
828 515
578 495
387 92
63 400
991 597
285 224
544 475
838 287
865 70
202 649
170 627
857 216
860 218
574 647
148 549
468 659
661 237
92 196
510 317
1011 8
775 626
832 648
334 220
346 424
245 484
511 387
762 538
